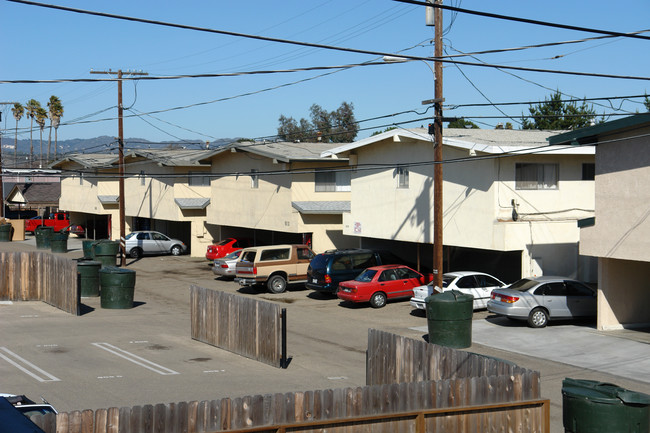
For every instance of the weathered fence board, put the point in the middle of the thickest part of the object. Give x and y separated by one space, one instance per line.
396 359
381 408
245 326
40 276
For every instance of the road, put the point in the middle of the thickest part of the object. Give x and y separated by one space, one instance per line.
144 355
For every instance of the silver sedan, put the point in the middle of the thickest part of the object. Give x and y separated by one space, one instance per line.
541 299
151 242
225 266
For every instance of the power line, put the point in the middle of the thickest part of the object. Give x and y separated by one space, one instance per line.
522 20
335 48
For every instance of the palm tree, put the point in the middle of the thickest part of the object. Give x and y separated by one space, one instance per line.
41 115
18 111
32 106
55 113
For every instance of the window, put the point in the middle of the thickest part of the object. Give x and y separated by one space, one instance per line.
588 171
402 177
255 179
536 176
143 236
142 177
276 254
304 254
466 282
330 181
195 178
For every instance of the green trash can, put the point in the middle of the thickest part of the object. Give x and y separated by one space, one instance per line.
43 237
116 287
105 252
591 406
59 242
449 318
5 232
89 277
87 248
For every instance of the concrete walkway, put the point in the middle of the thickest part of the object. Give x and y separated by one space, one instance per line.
624 353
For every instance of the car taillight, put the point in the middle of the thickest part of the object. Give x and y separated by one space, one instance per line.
255 270
224 266
328 279
505 298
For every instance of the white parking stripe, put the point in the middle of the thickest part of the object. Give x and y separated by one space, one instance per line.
135 359
48 377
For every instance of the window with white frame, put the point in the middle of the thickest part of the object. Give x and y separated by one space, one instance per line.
536 176
255 179
197 178
332 181
402 177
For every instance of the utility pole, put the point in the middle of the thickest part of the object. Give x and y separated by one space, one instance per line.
120 131
2 178
437 153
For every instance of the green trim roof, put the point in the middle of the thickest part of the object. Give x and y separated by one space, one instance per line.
584 135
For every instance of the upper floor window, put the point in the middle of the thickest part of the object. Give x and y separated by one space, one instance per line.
588 171
402 177
196 178
327 181
536 176
255 179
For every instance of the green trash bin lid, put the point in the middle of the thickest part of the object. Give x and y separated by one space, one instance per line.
601 392
115 270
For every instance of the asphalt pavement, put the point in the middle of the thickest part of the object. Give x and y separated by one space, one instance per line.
74 362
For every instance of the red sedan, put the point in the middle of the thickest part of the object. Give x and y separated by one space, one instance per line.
380 283
225 247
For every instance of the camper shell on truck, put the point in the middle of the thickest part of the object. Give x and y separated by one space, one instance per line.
274 266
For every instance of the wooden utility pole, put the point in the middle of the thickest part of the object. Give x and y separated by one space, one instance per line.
437 155
120 131
2 179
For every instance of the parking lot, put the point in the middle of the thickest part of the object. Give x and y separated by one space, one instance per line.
145 355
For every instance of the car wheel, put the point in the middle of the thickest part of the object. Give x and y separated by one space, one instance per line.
378 300
538 318
176 250
135 253
276 284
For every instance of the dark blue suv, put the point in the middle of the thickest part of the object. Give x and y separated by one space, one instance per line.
328 269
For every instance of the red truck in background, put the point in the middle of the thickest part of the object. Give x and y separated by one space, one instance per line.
58 221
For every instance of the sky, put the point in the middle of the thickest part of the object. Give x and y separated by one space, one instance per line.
46 44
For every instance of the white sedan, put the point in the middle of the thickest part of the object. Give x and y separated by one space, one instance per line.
477 284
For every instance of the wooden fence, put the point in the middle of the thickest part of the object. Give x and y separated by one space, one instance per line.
40 276
251 328
396 359
479 404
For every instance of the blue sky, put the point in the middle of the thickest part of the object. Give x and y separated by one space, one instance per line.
46 44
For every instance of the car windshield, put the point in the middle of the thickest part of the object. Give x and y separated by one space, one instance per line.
366 276
446 281
523 285
319 261
224 242
129 236
233 255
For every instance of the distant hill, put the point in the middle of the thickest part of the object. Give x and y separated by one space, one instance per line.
104 144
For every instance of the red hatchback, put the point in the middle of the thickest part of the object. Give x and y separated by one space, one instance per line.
380 283
225 247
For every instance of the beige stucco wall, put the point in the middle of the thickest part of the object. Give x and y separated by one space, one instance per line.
619 282
153 195
81 196
622 228
235 203
477 209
